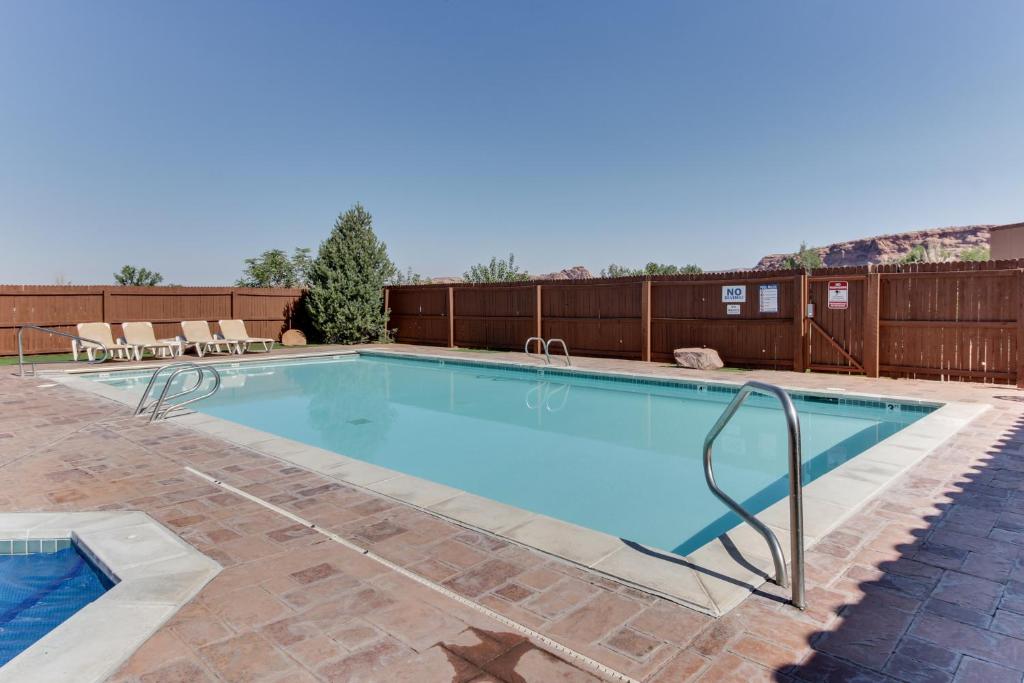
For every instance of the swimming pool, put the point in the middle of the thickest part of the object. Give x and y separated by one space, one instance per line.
43 582
620 455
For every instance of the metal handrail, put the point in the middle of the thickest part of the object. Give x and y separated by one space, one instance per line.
50 330
547 345
796 512
143 406
543 346
175 369
201 370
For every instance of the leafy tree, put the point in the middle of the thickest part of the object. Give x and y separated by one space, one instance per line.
615 270
917 254
344 301
925 253
805 258
138 277
976 254
652 268
498 270
274 268
406 278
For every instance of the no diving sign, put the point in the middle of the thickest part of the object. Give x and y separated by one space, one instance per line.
838 294
734 294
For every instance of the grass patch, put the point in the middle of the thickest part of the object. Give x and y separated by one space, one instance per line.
39 358
725 369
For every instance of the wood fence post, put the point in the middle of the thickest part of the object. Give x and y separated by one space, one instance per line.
1020 329
451 317
645 321
799 328
538 328
107 308
234 304
871 324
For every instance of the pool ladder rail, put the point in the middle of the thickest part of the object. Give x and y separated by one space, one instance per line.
546 348
163 405
49 330
796 505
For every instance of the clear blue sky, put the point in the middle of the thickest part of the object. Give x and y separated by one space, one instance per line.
186 136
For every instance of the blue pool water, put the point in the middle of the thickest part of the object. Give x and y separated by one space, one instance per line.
622 457
40 590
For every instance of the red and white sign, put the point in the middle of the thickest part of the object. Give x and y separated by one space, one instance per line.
838 294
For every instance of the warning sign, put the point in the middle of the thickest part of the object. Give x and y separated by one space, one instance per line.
838 294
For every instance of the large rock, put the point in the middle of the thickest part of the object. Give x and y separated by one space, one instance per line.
574 273
293 338
698 359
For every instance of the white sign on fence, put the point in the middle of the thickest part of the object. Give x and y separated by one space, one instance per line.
734 294
769 298
838 294
732 309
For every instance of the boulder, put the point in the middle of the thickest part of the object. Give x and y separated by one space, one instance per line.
293 338
698 359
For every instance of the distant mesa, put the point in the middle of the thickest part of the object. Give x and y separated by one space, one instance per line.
888 248
574 273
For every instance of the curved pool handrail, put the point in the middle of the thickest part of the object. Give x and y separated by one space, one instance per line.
796 512
143 406
543 347
49 330
159 414
565 349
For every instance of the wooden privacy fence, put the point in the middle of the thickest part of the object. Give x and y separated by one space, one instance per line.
267 312
959 321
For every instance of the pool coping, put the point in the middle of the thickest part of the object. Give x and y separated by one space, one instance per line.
713 579
156 573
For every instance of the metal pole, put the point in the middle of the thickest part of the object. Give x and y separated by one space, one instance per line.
796 501
21 354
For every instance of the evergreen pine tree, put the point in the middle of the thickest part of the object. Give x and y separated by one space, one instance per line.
346 280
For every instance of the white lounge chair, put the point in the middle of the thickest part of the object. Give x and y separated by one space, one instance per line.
235 331
141 336
197 334
101 334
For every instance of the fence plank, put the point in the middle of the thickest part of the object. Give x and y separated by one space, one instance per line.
645 322
799 310
451 318
538 322
871 325
1019 291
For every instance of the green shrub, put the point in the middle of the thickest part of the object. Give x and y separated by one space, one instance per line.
344 302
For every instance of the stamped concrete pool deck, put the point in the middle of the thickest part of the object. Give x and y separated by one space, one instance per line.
924 582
